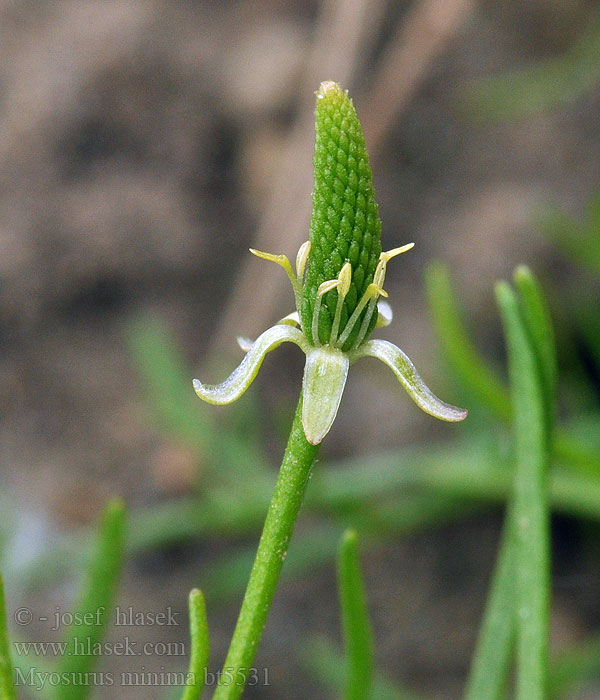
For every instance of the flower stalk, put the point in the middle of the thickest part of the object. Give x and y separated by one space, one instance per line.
338 285
277 531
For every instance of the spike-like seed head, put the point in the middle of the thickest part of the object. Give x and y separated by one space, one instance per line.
345 225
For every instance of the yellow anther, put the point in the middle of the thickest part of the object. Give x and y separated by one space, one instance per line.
301 259
324 287
327 286
279 259
379 276
389 254
345 278
384 258
374 290
285 263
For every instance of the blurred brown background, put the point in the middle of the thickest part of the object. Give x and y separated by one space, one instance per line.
144 145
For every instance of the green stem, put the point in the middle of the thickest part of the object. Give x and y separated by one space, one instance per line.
289 492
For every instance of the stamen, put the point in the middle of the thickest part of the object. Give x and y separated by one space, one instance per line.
344 278
323 289
301 259
388 255
384 258
285 263
364 326
373 291
379 276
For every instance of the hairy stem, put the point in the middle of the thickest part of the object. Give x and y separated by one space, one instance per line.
279 525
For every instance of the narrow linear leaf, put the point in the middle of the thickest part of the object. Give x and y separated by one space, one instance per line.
457 346
7 687
95 604
574 667
493 653
545 85
177 411
578 240
228 575
166 382
355 621
200 646
476 376
324 661
532 573
536 316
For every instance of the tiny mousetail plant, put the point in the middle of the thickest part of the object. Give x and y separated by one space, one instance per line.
338 288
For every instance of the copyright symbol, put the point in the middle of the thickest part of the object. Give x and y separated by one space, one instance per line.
23 616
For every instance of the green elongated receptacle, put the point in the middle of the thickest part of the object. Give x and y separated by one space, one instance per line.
345 225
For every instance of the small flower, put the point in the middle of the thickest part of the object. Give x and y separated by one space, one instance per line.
337 283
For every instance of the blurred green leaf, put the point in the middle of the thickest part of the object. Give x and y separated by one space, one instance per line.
227 577
167 383
493 652
228 451
574 667
458 349
358 639
578 240
473 373
324 662
7 686
546 85
536 318
531 509
199 646
96 602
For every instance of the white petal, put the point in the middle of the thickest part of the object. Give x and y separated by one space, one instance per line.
244 342
292 319
241 378
408 376
384 315
324 380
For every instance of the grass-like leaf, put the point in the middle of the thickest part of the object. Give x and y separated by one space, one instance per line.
531 511
493 653
96 601
324 661
458 348
578 240
544 86
7 687
476 376
573 667
200 646
166 381
358 638
536 317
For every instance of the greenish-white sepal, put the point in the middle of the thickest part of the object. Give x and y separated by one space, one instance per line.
408 376
384 314
325 375
241 378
